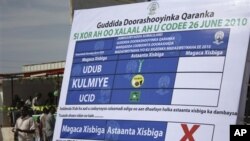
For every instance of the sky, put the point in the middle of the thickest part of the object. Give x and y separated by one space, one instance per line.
33 32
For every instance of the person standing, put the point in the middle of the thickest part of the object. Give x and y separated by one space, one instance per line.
28 101
50 123
38 132
15 114
36 102
25 126
43 123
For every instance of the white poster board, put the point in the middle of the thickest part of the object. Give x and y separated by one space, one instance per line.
162 70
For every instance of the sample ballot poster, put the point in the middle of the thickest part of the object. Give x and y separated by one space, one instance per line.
154 71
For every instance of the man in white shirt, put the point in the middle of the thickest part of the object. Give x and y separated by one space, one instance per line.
36 101
25 126
43 123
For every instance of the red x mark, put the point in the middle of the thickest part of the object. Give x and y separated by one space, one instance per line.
188 134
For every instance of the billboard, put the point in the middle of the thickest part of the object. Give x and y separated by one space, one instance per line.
161 70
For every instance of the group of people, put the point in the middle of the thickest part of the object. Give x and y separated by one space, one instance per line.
28 127
34 101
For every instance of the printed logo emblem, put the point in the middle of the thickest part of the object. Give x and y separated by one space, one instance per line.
137 81
218 37
140 65
153 7
135 96
239 132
